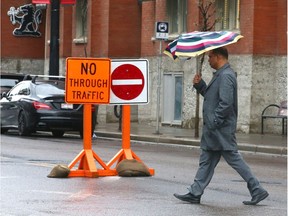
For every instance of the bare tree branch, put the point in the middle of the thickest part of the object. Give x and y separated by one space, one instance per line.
206 15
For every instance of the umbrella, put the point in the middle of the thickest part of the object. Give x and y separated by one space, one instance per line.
196 43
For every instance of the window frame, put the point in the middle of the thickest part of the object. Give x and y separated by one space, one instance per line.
228 15
177 16
170 100
81 19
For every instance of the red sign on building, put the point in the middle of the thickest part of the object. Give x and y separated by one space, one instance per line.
48 1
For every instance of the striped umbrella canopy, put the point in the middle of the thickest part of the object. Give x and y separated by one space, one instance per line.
196 43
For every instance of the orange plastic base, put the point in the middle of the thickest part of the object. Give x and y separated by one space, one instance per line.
87 167
86 158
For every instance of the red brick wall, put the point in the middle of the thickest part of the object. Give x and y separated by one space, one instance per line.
66 15
114 30
65 30
160 10
124 29
112 22
19 47
148 47
98 33
245 45
257 19
263 25
192 15
281 42
77 49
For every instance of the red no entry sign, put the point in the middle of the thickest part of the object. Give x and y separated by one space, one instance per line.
129 81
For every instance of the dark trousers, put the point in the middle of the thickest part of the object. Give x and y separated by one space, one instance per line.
209 160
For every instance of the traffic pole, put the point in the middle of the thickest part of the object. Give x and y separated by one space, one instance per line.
54 38
126 152
87 157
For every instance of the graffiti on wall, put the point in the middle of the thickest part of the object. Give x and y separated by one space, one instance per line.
28 18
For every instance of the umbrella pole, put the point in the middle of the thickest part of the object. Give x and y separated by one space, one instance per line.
199 64
158 88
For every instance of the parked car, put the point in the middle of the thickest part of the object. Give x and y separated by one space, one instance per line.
9 80
39 105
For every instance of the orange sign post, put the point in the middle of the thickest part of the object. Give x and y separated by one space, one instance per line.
129 85
88 82
126 152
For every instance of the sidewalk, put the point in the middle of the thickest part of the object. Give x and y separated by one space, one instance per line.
256 143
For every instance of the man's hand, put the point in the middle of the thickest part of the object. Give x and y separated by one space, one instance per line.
197 78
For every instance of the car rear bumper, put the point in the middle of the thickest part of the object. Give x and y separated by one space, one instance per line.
59 123
64 123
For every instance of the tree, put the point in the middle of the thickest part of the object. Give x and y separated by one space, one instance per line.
207 15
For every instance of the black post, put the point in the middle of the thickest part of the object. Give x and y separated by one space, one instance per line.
54 38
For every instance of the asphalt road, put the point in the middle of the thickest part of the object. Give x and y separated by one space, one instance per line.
26 190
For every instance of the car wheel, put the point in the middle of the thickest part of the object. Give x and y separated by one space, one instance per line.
23 129
58 133
4 130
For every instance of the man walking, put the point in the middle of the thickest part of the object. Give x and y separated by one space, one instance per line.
219 127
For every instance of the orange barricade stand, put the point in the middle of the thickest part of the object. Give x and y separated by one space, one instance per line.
85 68
126 152
86 158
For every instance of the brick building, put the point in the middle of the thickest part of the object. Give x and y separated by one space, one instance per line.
126 29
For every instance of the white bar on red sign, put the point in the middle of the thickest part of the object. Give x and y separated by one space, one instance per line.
127 82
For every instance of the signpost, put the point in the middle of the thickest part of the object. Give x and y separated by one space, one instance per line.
129 85
88 82
161 33
161 30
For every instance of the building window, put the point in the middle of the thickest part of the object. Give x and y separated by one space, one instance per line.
177 16
81 20
227 14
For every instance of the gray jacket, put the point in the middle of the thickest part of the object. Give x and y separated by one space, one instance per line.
220 110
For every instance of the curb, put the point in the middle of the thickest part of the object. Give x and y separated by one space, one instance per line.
279 151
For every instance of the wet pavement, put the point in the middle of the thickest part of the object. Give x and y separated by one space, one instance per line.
26 190
256 143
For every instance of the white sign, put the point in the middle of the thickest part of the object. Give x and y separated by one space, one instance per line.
161 30
129 81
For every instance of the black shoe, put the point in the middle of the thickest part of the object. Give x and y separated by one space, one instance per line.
188 198
257 198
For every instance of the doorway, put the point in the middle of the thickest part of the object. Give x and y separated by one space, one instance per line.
172 98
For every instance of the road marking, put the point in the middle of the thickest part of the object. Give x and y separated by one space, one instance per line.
41 164
51 192
81 195
7 177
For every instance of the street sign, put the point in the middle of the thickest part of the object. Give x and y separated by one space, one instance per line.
87 80
48 1
161 30
129 81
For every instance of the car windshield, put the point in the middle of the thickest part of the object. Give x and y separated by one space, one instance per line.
45 89
8 82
